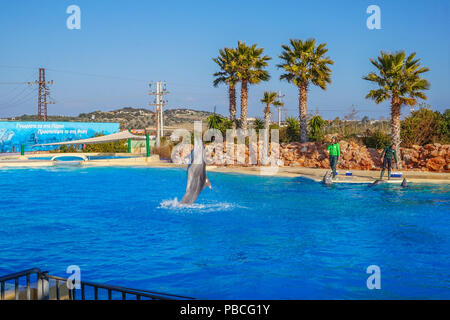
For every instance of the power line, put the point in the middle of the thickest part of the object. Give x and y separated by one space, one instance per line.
7 83
26 97
21 100
17 96
77 73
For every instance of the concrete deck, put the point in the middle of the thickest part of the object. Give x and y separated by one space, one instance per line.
359 176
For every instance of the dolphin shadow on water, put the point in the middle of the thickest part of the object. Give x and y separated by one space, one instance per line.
196 175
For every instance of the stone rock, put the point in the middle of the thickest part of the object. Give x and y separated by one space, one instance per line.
435 164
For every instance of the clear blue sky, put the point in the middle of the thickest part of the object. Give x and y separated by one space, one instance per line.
123 45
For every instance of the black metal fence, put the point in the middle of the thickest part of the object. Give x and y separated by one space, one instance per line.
34 284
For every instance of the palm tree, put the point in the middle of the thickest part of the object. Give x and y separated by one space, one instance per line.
258 124
227 74
305 63
250 70
399 80
270 98
214 121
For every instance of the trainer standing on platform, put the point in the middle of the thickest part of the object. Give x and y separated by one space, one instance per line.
387 155
335 153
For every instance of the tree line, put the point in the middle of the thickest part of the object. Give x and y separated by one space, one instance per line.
397 79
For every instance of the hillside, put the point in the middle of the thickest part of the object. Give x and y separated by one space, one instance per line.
132 118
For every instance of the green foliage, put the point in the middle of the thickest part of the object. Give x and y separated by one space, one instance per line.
425 126
258 124
250 63
274 126
213 121
292 129
444 127
225 125
304 62
270 98
65 149
316 125
227 62
109 147
399 78
377 139
218 122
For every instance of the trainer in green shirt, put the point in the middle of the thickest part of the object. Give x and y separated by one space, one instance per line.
335 153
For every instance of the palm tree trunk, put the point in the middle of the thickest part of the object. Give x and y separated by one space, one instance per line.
265 158
395 128
232 97
302 106
267 115
244 104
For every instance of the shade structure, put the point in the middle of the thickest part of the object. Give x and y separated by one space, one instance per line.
101 139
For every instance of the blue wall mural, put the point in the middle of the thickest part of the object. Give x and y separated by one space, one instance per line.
14 134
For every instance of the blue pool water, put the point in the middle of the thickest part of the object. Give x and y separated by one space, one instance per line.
249 237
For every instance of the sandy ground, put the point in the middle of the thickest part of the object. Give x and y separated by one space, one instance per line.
358 176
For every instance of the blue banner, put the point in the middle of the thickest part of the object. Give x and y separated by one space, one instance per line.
14 134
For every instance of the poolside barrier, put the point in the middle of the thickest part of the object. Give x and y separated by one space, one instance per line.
147 144
129 142
48 287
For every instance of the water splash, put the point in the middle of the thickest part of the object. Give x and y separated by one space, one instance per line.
174 204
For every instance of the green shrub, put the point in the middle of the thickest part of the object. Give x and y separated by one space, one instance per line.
65 149
444 127
424 126
292 129
377 139
316 125
109 147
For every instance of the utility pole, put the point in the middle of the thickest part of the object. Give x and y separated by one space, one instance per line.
159 93
43 92
280 97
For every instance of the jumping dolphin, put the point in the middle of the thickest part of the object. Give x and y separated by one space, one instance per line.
376 182
404 183
196 179
327 179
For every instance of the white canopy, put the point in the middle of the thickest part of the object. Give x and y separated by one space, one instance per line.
101 139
